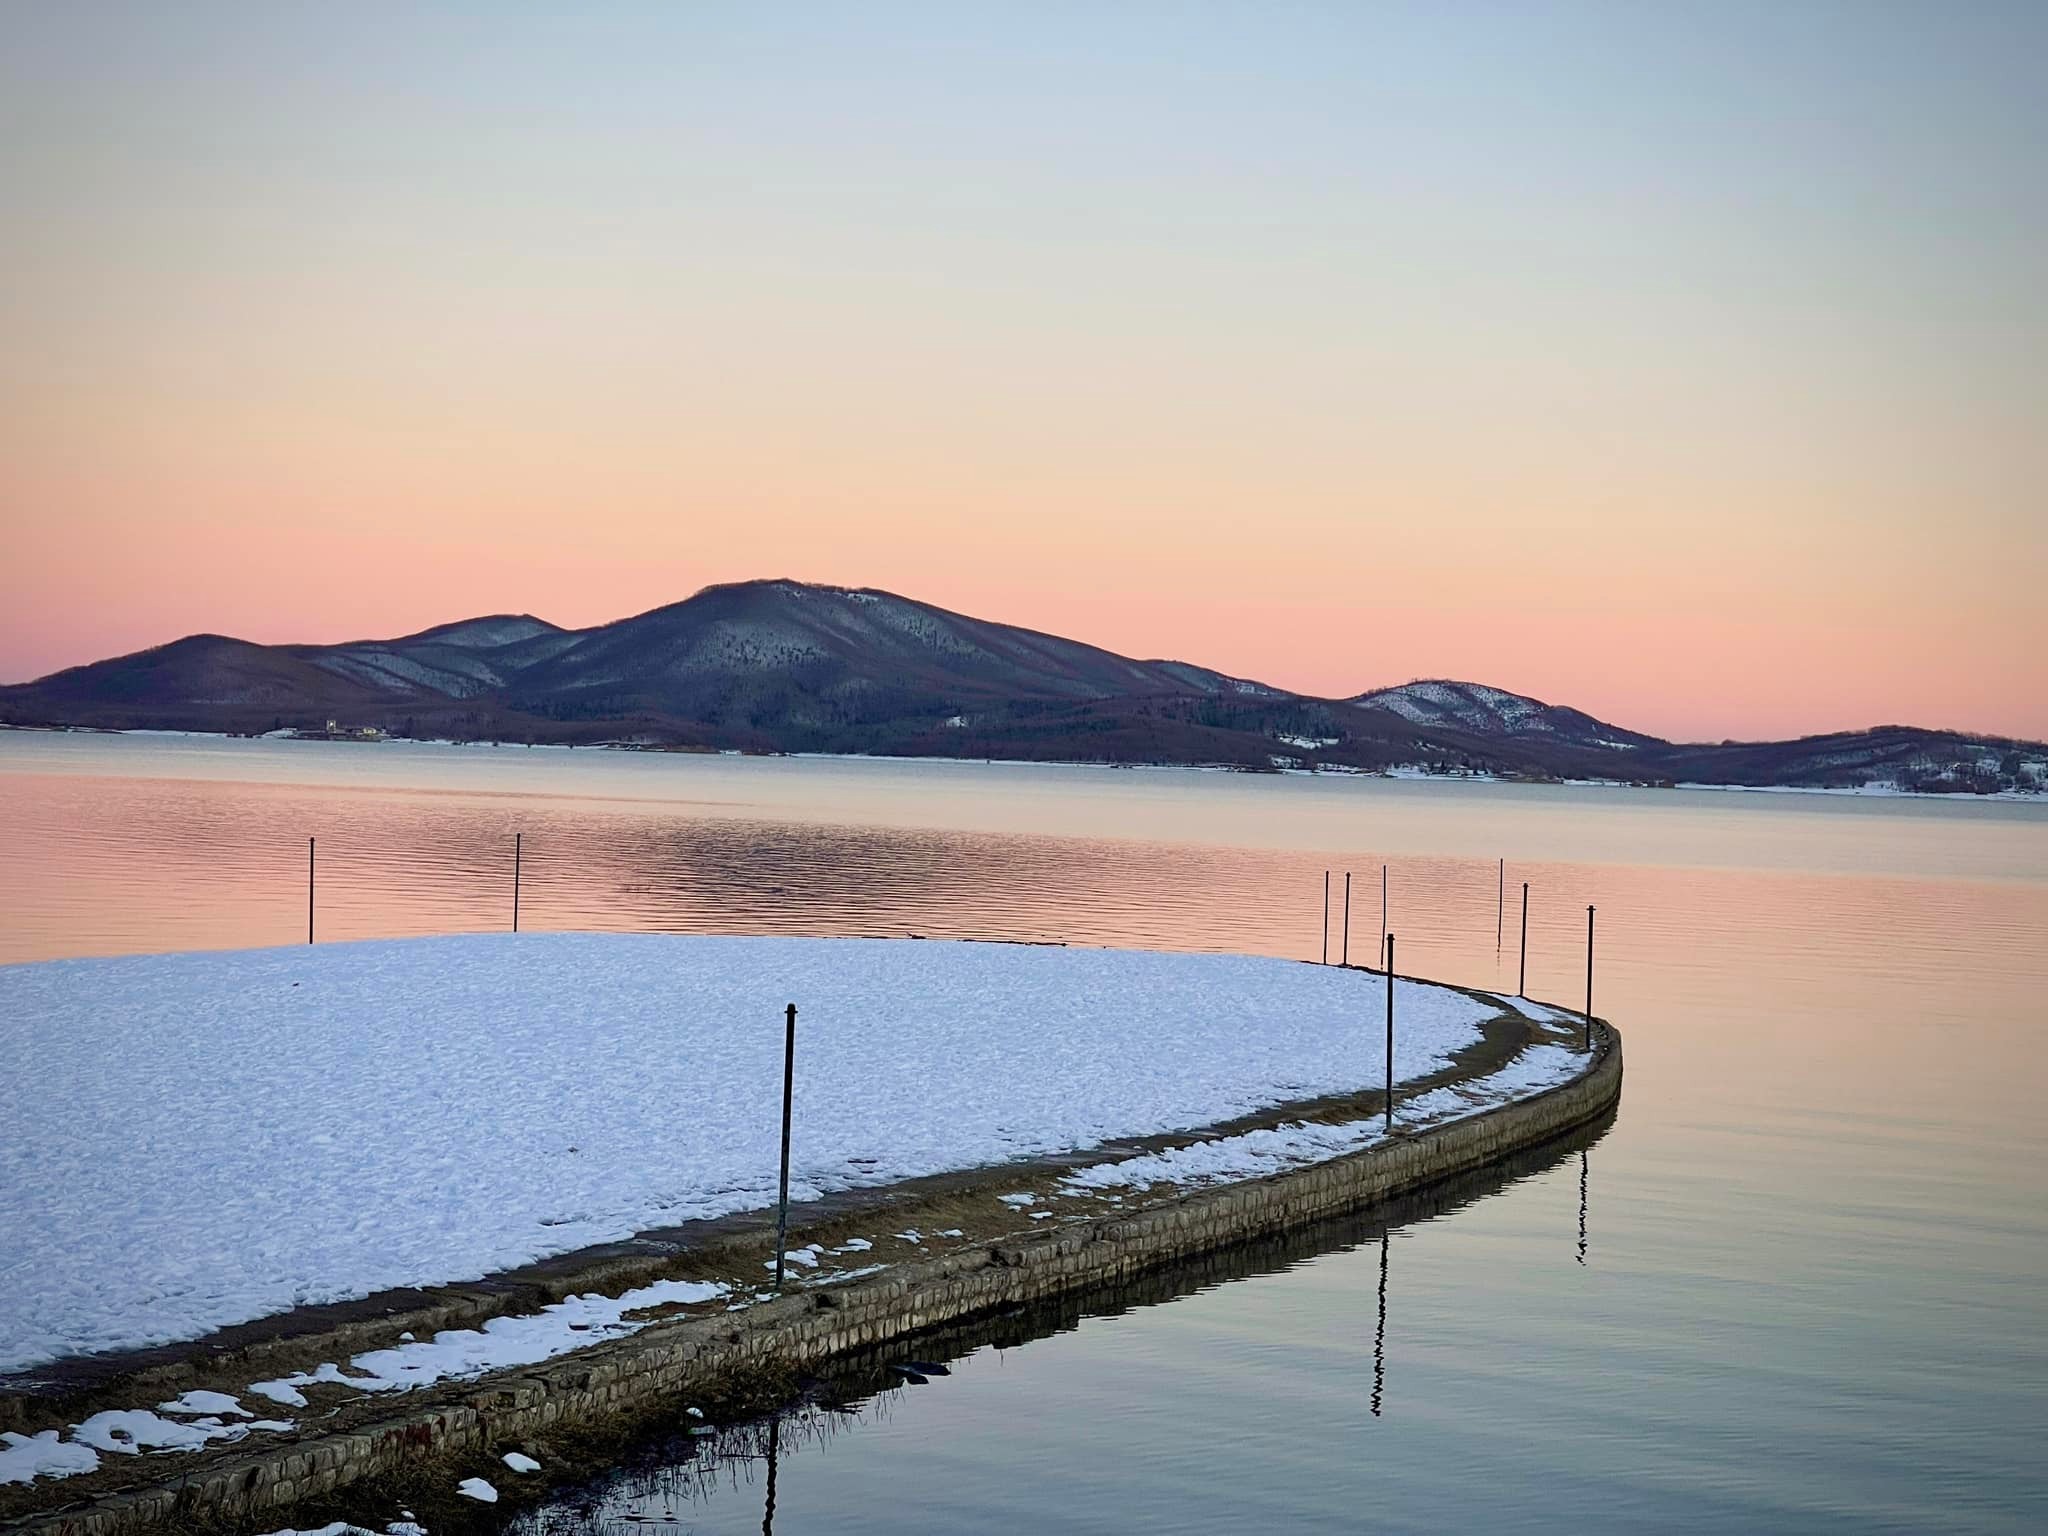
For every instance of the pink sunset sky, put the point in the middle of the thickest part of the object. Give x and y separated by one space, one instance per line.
1683 365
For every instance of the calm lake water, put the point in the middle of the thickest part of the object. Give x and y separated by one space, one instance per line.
1801 1284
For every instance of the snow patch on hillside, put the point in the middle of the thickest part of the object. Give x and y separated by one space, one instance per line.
1473 706
487 634
393 670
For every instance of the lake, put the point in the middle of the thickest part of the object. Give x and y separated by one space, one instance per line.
1800 1284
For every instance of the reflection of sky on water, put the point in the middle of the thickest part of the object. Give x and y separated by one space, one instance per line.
1815 1298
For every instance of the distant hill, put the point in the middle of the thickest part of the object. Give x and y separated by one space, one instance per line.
1500 715
1892 756
786 666
783 655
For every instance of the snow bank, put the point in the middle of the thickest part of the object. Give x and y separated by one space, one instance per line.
1277 1149
24 1458
525 1339
190 1141
124 1431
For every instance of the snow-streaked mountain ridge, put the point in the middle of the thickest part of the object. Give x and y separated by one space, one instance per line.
1494 712
792 666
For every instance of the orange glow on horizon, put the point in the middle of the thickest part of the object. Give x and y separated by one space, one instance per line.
1582 355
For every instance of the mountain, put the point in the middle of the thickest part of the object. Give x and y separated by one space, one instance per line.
780 666
1902 756
1893 756
216 683
761 665
787 655
1495 713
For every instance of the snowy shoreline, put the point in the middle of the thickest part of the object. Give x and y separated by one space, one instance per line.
1203 1160
199 1140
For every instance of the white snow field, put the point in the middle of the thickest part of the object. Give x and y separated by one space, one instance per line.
189 1141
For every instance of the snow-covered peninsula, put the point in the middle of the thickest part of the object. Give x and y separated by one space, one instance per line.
190 1141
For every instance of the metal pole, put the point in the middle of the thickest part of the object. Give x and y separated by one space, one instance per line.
309 890
1344 956
1589 978
1326 917
1385 953
515 881
1522 978
1390 1031
788 1083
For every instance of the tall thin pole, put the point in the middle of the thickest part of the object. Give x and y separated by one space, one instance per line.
1589 978
1386 954
1326 917
1390 1031
309 890
788 1084
515 880
1500 908
1522 978
1344 955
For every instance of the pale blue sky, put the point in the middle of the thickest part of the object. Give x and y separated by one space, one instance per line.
1565 329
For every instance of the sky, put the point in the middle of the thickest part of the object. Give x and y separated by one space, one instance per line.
1685 363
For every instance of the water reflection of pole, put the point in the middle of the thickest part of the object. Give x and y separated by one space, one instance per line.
774 1456
309 890
1379 1338
516 836
1500 907
1326 917
1584 1168
1344 955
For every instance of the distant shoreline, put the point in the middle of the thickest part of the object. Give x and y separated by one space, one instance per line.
1399 773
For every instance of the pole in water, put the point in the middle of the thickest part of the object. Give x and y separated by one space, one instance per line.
1390 1031
1589 978
788 1082
1522 978
1344 955
1386 953
515 880
1326 917
309 890
1500 907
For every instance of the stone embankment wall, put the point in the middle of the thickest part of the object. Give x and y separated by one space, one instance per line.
674 1359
